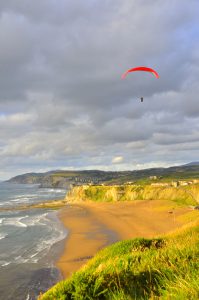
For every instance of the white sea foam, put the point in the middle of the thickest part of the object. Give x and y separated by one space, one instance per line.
35 220
15 200
20 200
33 255
20 260
4 263
4 203
46 244
40 251
1 220
25 220
3 235
56 191
34 249
16 221
25 196
28 297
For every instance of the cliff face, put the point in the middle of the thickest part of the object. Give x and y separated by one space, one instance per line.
77 194
54 182
31 178
46 181
188 195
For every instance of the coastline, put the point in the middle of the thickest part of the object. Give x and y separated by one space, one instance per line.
92 226
86 236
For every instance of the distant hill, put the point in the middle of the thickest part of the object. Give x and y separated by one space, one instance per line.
194 163
61 178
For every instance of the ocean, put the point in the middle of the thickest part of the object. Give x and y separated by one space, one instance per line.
30 241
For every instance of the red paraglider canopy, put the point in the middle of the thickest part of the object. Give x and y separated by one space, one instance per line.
141 69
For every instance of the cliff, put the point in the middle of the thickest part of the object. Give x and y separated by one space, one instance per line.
187 195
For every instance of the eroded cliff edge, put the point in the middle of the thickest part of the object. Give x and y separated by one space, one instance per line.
187 195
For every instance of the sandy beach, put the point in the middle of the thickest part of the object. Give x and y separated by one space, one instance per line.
93 226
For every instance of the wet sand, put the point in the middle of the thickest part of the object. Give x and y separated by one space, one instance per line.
93 226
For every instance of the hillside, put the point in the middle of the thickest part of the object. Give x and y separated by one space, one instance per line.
61 178
159 268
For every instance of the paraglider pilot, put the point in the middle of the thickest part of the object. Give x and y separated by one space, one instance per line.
146 69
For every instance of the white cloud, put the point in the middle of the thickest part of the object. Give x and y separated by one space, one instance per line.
117 159
16 119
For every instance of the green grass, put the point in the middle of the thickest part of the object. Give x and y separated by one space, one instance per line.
96 193
161 268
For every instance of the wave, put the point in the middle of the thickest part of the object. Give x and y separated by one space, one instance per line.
44 246
21 260
18 201
27 196
36 220
57 190
3 235
23 199
16 221
32 244
4 203
28 297
35 252
25 221
4 263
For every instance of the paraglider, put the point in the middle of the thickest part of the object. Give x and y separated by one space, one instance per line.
145 69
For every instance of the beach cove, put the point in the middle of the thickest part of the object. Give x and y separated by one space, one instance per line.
92 226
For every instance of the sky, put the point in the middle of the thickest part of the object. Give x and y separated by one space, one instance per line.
63 104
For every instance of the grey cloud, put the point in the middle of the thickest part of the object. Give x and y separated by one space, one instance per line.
62 100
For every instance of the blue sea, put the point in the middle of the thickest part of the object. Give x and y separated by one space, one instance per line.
30 242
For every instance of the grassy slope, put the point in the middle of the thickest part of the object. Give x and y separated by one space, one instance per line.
164 268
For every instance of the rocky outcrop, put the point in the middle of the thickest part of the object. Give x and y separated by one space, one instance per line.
45 181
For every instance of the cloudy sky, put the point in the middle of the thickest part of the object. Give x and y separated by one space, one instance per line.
63 103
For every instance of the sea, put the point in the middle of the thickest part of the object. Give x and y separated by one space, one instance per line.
30 241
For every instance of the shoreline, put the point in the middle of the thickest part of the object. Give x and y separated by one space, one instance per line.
86 236
93 226
51 204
